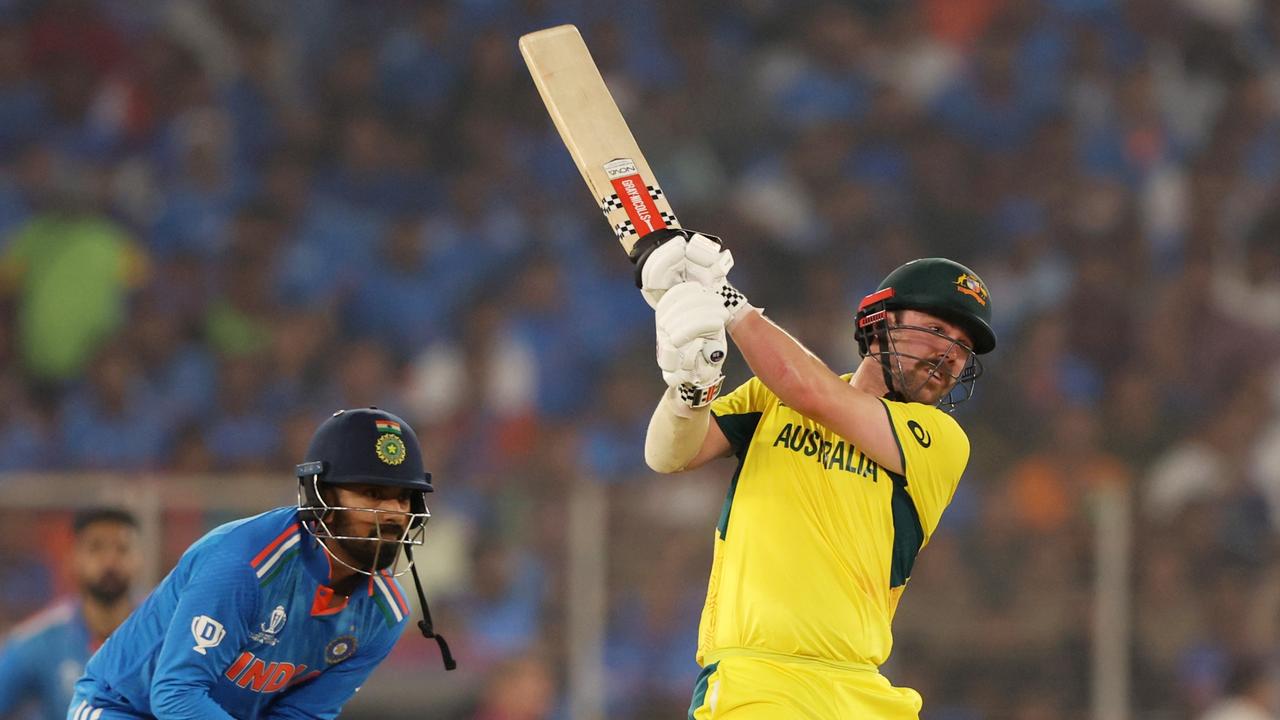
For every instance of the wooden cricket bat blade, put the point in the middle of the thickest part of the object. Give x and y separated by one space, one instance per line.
595 133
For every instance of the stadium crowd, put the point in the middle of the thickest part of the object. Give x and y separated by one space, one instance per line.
220 221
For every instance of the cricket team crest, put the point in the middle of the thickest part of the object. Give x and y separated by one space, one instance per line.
390 449
970 285
389 446
339 649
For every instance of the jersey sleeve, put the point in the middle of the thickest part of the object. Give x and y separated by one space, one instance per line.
208 627
934 451
739 412
18 670
323 697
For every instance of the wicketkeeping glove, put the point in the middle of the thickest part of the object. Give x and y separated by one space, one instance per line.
691 342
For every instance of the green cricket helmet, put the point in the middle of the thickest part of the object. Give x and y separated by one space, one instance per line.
940 287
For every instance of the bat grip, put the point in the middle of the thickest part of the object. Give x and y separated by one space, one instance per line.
645 246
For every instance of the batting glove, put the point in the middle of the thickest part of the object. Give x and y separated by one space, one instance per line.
691 342
674 256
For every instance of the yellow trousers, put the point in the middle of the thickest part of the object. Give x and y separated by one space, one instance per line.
776 688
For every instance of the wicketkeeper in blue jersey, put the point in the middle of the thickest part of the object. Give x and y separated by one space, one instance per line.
284 614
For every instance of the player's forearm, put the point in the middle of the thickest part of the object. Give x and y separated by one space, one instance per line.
798 377
183 701
676 432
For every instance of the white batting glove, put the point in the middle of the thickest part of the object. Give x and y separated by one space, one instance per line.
696 259
691 342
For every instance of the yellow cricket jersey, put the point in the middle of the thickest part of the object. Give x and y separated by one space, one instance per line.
815 542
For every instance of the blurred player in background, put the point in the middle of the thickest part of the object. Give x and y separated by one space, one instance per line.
284 614
841 479
45 655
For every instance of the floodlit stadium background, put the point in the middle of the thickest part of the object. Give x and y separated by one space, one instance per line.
220 221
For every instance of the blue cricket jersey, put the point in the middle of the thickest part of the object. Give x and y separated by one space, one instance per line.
41 660
245 627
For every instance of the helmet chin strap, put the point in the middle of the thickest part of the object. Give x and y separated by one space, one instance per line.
425 624
887 350
892 393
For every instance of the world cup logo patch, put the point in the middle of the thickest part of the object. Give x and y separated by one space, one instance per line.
339 649
271 628
390 449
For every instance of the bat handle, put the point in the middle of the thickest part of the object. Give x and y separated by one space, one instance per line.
649 242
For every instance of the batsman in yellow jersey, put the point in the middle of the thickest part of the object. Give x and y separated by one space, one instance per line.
840 480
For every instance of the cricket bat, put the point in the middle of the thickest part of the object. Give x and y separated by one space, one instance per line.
596 134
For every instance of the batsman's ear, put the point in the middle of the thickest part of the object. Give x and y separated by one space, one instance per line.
645 246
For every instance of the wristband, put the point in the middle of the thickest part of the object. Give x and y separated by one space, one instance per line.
698 396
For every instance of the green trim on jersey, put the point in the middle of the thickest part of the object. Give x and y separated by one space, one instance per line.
700 688
908 533
738 430
284 560
902 456
385 608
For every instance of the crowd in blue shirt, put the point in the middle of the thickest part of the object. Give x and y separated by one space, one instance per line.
333 204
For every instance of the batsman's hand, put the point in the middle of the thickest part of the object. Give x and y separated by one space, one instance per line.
684 256
692 345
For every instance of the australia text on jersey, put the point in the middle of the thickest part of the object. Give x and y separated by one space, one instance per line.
829 454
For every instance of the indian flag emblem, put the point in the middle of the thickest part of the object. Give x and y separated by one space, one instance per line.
390 449
387 426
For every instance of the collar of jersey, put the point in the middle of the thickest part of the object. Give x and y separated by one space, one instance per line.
314 557
318 564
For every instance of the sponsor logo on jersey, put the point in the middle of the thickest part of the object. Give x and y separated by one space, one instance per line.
207 632
921 435
830 455
257 675
390 449
339 649
272 627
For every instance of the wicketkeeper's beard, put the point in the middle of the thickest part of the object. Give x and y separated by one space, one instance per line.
108 589
376 553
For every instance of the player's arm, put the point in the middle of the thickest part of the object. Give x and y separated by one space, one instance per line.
17 675
786 367
682 438
681 435
805 383
204 637
322 697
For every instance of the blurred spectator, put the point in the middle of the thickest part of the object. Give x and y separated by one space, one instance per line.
221 220
23 109
242 433
112 420
71 269
502 609
1210 462
522 688
172 360
1250 694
